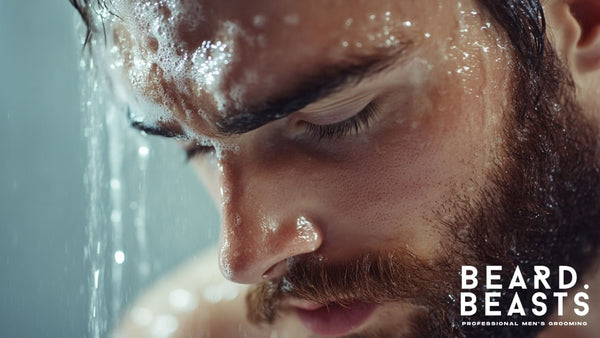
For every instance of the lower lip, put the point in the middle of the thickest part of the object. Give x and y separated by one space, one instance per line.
336 320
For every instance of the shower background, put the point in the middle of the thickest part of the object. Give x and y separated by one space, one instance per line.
44 278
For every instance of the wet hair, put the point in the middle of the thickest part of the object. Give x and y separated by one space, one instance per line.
83 8
523 21
90 11
524 24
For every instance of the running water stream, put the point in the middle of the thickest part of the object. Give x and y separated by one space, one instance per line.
94 178
121 256
124 208
112 202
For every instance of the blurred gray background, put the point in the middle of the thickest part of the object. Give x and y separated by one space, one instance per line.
44 277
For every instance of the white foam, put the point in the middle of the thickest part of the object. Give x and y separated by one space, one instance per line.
150 53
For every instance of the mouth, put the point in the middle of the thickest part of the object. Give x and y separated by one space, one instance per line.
333 319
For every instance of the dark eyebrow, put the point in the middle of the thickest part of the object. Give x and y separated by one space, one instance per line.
324 82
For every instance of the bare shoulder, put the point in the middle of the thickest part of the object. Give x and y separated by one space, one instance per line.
194 301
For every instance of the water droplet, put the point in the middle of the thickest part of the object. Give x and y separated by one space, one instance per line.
115 184
119 257
143 151
96 278
307 232
259 20
115 216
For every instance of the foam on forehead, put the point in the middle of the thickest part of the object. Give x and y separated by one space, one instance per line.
153 53
154 28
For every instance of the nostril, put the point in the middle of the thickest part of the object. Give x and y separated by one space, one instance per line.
276 270
307 238
268 273
249 256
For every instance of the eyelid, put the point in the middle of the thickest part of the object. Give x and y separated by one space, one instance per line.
334 112
355 124
195 149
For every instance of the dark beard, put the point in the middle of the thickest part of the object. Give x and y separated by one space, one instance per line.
540 207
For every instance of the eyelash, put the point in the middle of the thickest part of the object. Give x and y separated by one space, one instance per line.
355 124
197 150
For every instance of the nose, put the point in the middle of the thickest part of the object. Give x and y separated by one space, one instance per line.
263 224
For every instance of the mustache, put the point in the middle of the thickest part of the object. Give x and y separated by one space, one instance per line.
381 277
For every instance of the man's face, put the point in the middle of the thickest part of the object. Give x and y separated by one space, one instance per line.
334 131
433 122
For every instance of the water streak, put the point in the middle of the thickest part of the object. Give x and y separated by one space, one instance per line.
116 198
94 132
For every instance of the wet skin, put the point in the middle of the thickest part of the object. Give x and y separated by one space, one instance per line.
434 131
437 101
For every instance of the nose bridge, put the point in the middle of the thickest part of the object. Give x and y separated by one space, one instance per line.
258 232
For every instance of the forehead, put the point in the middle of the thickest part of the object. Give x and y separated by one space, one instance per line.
208 59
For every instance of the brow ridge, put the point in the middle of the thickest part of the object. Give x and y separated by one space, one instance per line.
324 82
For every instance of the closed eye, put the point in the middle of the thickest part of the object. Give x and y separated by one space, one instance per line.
354 125
197 149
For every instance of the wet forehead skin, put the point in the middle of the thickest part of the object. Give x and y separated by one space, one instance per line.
266 59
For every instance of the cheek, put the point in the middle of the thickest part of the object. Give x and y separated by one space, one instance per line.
390 190
397 184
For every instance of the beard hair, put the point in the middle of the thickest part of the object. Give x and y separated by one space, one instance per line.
540 207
